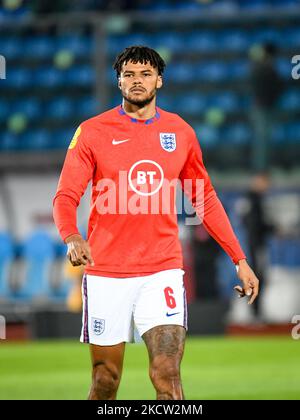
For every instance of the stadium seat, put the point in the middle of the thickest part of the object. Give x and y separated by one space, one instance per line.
238 70
170 40
227 101
208 135
80 46
201 41
36 139
7 255
211 71
290 100
238 133
192 103
233 40
19 78
60 108
39 254
83 75
181 72
49 77
11 47
9 141
31 107
4 110
87 107
40 47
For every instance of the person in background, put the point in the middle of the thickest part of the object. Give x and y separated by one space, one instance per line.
266 87
258 229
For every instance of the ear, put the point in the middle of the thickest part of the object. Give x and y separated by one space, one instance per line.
119 82
159 82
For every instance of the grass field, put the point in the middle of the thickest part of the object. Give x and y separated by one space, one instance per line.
213 368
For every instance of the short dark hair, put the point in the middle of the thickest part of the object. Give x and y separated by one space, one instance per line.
139 54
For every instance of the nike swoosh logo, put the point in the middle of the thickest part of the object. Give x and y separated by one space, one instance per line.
175 313
119 141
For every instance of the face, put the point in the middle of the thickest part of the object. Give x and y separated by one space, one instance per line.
139 82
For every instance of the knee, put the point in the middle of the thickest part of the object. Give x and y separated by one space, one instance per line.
164 373
106 379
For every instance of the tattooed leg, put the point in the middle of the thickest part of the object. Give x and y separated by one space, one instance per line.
165 344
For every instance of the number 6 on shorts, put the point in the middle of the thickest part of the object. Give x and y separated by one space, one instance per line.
171 302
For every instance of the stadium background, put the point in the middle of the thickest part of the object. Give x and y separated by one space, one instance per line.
58 58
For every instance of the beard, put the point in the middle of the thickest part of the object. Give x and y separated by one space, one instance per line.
140 102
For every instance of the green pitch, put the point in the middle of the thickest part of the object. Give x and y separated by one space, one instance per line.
213 368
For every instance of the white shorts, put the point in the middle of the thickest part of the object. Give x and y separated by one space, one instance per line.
114 307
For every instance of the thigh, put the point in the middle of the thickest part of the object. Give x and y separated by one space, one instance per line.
165 342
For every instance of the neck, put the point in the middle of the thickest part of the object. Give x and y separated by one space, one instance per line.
140 113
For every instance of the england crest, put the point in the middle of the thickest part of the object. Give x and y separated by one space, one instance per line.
168 141
98 326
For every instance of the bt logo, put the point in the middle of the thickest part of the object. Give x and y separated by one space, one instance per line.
144 173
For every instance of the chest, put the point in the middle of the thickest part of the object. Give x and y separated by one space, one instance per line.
141 150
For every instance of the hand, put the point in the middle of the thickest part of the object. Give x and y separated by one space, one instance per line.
79 251
249 280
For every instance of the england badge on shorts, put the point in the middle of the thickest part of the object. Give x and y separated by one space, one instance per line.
98 326
168 141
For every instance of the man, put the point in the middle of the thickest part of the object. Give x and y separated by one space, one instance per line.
133 258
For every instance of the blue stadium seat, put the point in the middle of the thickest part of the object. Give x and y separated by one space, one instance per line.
211 71
290 100
191 103
261 36
293 132
227 101
39 254
36 139
238 133
11 48
39 47
82 75
181 72
30 106
279 134
290 38
204 41
87 107
60 108
233 40
9 141
208 135
18 78
238 70
7 255
4 109
170 40
80 46
49 77
284 67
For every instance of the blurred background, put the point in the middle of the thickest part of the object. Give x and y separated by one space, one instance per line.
230 74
